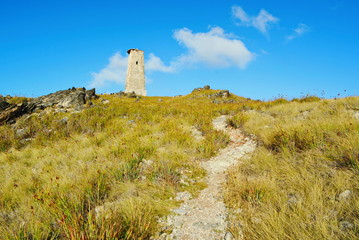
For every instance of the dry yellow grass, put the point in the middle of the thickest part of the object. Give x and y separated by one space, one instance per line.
290 187
111 170
60 177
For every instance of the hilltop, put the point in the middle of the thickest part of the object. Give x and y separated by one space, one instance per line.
112 166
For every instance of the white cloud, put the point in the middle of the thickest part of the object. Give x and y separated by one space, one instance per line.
239 13
262 22
214 48
155 63
116 69
299 31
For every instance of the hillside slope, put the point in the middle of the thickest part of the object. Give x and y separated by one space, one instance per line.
112 169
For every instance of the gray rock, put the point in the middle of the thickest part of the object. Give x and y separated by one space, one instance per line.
26 140
20 132
14 111
220 94
224 94
293 200
207 87
146 164
129 95
71 98
345 225
344 196
90 94
228 236
60 110
132 95
64 120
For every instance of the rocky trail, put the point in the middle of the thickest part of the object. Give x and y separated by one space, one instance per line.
205 217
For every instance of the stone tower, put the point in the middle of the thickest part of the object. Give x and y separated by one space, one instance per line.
135 79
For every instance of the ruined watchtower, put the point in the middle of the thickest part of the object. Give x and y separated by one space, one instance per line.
135 80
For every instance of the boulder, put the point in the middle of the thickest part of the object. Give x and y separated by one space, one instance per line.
132 95
344 196
220 94
90 94
20 132
64 120
206 87
105 101
345 225
223 94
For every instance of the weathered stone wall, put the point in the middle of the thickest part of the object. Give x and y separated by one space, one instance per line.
135 80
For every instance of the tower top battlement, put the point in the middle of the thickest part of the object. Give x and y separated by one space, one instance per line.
133 49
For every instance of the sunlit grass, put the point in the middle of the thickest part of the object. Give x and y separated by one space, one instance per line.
109 171
289 188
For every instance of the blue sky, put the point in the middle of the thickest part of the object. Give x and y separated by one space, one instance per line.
258 49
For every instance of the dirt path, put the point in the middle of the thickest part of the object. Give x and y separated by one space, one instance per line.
205 217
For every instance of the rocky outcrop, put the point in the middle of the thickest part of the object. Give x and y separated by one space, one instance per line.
14 111
72 98
220 94
129 94
216 96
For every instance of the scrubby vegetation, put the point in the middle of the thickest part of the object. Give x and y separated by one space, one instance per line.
106 172
111 170
302 181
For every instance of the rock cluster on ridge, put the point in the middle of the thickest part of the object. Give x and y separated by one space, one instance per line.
71 98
